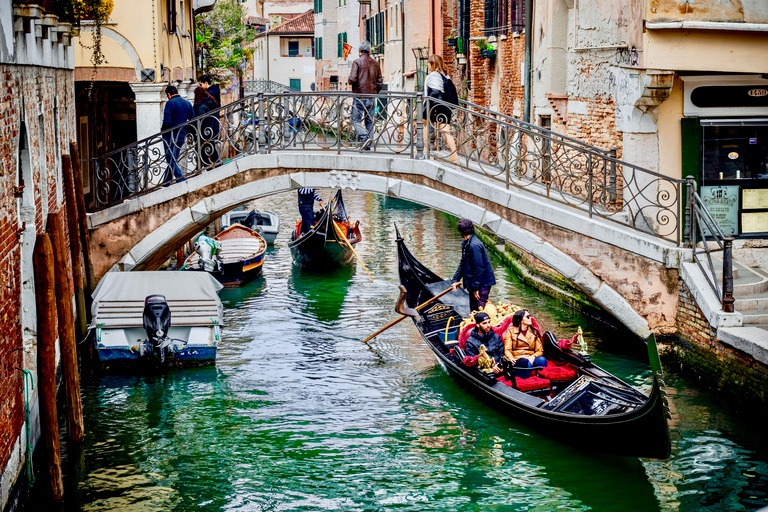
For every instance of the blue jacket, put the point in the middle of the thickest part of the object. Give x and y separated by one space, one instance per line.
492 342
474 268
177 111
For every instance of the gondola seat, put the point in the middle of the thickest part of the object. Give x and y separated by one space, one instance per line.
532 385
557 373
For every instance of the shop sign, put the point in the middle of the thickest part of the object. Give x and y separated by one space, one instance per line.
733 155
753 140
757 93
722 203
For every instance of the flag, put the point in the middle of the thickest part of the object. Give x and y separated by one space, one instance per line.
346 50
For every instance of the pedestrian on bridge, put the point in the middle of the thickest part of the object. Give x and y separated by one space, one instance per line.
474 268
177 111
365 78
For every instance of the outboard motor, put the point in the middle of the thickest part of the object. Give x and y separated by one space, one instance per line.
208 250
157 322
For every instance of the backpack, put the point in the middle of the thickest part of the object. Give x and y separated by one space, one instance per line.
449 91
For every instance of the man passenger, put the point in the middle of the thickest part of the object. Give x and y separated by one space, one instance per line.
483 334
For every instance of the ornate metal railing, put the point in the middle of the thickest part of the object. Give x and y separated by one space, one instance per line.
477 140
265 86
704 232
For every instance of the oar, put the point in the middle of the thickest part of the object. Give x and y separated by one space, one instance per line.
403 317
344 237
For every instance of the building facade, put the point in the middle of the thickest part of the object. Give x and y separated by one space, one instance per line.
677 87
285 53
37 123
336 22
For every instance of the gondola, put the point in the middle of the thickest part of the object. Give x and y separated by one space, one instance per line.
580 404
237 259
329 242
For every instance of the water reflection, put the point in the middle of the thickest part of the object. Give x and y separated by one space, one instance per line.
322 293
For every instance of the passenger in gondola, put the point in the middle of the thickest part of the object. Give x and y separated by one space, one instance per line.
522 342
474 268
483 334
307 198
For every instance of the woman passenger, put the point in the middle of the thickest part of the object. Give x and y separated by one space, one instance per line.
522 343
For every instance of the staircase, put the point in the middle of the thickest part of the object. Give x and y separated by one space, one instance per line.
750 289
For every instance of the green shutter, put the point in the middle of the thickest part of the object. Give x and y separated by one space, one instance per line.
338 46
321 47
691 147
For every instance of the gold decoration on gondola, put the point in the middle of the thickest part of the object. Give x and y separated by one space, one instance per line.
582 349
485 362
497 313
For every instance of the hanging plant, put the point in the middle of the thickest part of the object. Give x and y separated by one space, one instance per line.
96 10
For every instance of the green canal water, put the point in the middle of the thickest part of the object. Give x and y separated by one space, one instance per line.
297 414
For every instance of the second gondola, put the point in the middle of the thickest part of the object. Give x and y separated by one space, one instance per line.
328 243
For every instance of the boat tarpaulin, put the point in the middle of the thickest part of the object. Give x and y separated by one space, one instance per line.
193 299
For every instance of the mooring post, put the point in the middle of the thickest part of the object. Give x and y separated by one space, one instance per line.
67 341
45 298
728 300
76 254
179 257
85 237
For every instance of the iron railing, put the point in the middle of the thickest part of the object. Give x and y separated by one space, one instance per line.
704 232
477 140
265 86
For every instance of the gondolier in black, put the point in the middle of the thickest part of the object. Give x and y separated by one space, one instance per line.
483 334
474 268
307 198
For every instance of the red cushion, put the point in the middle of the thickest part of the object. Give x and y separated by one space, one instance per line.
557 373
529 384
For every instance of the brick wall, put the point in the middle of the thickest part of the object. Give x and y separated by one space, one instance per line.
719 365
44 99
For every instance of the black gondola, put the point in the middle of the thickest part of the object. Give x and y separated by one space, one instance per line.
592 409
323 246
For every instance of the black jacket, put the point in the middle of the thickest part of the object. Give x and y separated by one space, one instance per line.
492 342
474 268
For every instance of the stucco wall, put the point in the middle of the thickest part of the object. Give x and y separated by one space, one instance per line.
735 11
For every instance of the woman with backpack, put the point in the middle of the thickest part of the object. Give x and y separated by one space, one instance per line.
438 85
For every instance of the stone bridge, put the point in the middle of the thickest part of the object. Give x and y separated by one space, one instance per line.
631 275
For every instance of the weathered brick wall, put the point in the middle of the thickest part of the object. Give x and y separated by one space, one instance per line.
44 99
719 365
598 126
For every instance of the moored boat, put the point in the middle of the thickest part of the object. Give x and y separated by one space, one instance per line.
572 400
329 242
234 257
265 223
172 318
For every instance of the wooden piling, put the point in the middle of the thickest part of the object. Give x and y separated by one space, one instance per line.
179 258
85 242
67 340
45 296
83 314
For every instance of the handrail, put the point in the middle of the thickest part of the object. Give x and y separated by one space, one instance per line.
267 86
704 228
477 140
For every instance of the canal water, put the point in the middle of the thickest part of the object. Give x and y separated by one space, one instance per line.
298 414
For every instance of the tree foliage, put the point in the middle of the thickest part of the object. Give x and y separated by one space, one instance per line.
222 37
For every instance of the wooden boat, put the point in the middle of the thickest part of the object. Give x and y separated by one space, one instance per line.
240 259
589 408
267 224
193 329
329 242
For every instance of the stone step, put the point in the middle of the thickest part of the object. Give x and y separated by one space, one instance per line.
757 318
752 302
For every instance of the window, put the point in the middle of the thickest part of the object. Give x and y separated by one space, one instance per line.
517 15
293 48
295 83
318 6
172 16
496 16
342 40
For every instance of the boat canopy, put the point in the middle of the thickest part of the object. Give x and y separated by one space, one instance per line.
193 299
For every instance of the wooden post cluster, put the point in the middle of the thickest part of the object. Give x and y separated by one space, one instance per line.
45 296
75 248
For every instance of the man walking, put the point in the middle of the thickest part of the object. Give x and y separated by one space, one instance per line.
365 78
307 198
474 268
177 111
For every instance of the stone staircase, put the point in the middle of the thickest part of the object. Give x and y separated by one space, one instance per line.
750 289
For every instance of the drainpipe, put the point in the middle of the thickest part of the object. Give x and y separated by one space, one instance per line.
528 59
402 38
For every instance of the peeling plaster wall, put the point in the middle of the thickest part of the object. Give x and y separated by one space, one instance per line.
733 11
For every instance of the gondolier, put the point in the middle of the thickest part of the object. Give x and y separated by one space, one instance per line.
474 268
307 198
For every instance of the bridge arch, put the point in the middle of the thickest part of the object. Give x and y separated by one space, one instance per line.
633 278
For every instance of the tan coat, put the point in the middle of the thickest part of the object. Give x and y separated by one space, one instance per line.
517 345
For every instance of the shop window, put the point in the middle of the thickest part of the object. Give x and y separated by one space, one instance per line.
732 152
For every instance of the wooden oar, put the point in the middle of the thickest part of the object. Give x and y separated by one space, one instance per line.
403 317
344 237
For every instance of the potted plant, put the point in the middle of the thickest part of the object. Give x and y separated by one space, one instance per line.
451 41
487 51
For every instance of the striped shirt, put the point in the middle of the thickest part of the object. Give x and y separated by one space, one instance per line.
308 196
